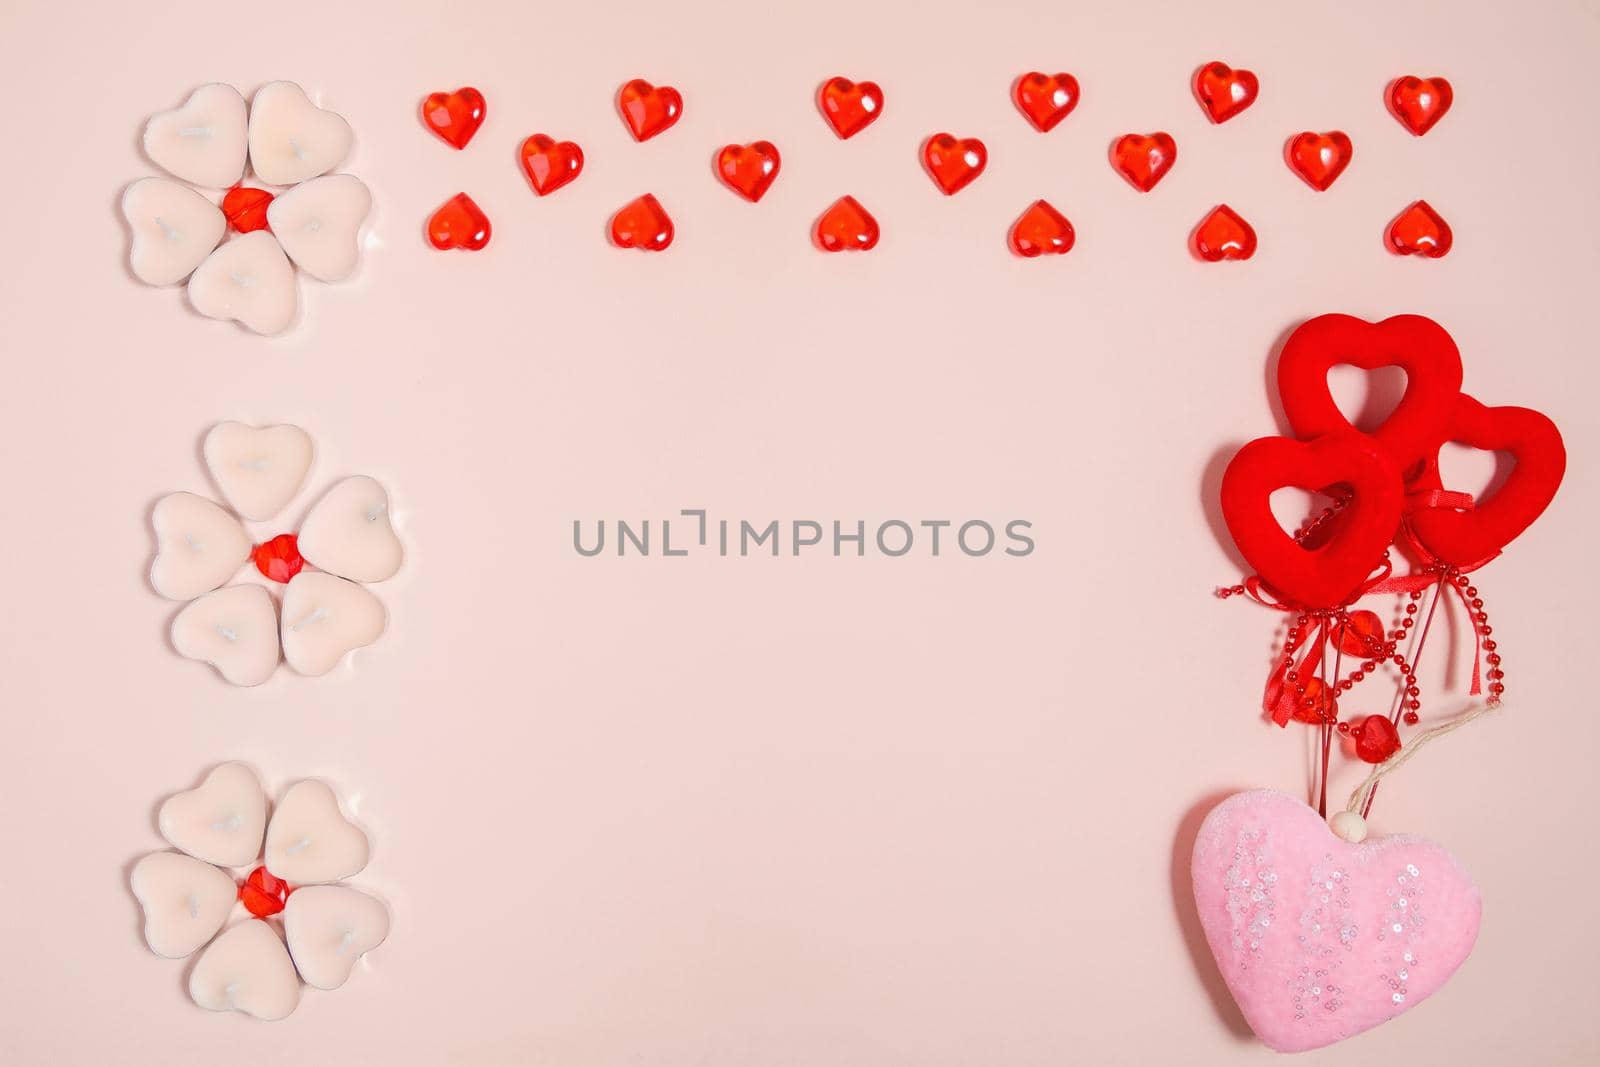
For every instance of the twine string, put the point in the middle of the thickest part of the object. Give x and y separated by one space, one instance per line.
1358 799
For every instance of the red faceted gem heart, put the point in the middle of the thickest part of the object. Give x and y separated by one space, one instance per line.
1420 231
1144 159
1419 103
1041 230
850 107
643 224
1357 637
846 227
1224 234
263 893
246 208
1376 738
1046 99
1224 92
1317 705
953 163
456 116
279 558
459 223
550 163
648 110
749 170
1319 158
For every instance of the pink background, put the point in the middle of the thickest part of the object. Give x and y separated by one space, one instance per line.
730 812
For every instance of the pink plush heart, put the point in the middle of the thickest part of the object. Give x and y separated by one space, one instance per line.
1319 939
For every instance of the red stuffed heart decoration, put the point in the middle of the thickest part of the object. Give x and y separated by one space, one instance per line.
1465 537
1414 430
1332 573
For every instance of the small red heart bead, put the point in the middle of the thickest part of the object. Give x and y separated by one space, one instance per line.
954 163
550 163
1319 158
459 223
1224 234
1224 92
1144 159
749 170
846 227
1419 103
643 224
1317 705
648 110
1041 230
278 559
850 107
1376 738
1420 231
1046 99
263 893
246 208
1360 634
456 116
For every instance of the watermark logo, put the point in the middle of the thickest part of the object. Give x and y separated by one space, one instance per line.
693 531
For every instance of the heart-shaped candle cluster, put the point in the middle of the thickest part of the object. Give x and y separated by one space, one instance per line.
345 542
296 922
312 221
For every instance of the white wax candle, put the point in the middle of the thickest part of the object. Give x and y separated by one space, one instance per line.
249 280
219 821
233 629
348 532
258 468
310 840
292 139
174 228
318 223
325 617
246 969
185 901
198 546
328 928
203 141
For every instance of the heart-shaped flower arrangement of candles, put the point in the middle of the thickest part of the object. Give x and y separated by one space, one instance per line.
309 218
232 861
345 542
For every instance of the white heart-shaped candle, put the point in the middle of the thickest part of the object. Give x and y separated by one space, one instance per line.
310 841
198 546
292 139
348 532
258 468
246 969
234 629
328 928
221 820
325 617
249 280
174 229
185 901
318 222
203 141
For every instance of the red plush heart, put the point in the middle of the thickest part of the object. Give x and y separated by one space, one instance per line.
1419 102
1223 234
850 107
749 170
1349 464
1042 229
550 163
1420 231
1144 159
1319 158
459 223
1465 537
456 116
1046 99
846 227
643 224
1417 345
1223 91
647 109
953 163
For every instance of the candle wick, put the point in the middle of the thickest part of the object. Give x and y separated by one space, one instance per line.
344 942
194 907
171 233
372 516
257 464
294 146
316 616
194 131
297 846
228 633
194 546
243 281
232 821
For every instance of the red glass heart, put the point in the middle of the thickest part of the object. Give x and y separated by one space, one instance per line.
1046 99
1317 705
954 163
1356 637
850 107
1469 536
1420 231
279 558
1041 230
246 208
1376 738
1419 103
648 110
1144 159
1223 234
550 164
846 227
1331 573
1319 158
643 224
263 893
749 170
1224 92
456 116
459 223
1417 345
